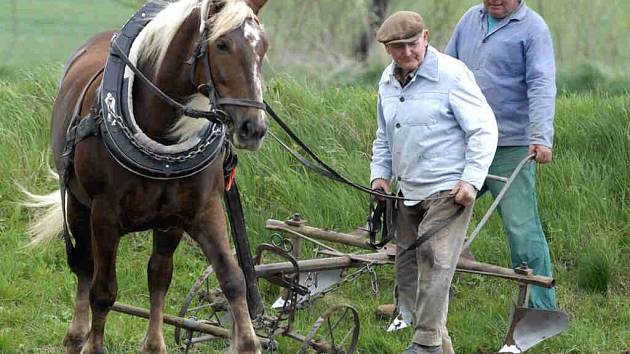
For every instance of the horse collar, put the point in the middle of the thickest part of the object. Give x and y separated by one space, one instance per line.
129 146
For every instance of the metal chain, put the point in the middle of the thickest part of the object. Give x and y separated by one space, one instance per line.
373 278
113 118
270 326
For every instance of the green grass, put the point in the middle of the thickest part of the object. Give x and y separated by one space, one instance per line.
48 31
583 194
583 200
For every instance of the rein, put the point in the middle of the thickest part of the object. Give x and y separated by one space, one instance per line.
128 144
200 53
324 169
215 114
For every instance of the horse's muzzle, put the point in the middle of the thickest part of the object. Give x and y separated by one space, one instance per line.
250 132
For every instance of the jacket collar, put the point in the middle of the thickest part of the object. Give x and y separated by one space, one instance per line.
428 68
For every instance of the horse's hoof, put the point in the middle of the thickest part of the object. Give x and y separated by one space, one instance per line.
73 344
250 348
153 349
89 348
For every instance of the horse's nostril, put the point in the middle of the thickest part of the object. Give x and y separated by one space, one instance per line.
245 131
250 130
259 132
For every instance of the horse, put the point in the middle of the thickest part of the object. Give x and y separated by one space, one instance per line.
103 200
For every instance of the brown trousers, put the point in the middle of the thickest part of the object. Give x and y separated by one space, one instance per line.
424 273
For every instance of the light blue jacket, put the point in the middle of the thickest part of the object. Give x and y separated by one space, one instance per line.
435 131
514 66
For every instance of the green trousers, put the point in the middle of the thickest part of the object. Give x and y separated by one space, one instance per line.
519 212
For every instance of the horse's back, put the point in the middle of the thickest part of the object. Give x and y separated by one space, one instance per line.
88 60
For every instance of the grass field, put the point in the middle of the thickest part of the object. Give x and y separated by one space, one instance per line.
584 194
583 199
45 31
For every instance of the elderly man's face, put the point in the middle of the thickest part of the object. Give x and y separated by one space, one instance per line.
500 8
408 56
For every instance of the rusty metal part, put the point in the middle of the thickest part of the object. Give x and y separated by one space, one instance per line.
181 322
495 203
529 327
319 234
288 281
296 220
281 279
334 332
387 256
206 304
192 294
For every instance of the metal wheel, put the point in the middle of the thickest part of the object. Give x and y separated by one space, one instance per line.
205 304
334 332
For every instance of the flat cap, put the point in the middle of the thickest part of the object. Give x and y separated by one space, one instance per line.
401 27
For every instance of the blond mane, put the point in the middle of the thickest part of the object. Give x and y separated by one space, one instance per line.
153 41
155 38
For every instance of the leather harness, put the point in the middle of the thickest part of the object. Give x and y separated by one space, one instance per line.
109 117
381 218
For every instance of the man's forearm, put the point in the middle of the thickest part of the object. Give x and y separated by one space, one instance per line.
541 113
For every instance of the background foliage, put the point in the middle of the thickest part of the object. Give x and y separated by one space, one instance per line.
318 36
330 99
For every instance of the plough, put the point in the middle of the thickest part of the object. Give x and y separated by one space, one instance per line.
204 315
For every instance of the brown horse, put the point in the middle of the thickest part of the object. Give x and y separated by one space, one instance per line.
105 201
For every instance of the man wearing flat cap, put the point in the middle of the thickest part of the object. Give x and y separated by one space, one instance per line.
436 137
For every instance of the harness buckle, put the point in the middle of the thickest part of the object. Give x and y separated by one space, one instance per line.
204 89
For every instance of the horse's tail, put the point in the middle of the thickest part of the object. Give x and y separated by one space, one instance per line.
47 222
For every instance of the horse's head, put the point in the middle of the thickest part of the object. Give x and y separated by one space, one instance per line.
234 58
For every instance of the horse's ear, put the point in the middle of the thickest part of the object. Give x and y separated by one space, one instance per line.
256 4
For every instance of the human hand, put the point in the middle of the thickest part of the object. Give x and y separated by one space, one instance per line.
543 153
464 193
381 184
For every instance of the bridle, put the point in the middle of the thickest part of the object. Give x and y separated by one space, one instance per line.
215 114
208 88
124 139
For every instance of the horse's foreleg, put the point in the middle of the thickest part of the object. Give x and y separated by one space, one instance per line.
160 271
80 263
210 231
105 239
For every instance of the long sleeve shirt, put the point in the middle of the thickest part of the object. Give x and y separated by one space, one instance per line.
436 130
514 66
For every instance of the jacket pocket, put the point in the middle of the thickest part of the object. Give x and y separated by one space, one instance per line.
425 108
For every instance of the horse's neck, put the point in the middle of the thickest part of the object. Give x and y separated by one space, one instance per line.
154 116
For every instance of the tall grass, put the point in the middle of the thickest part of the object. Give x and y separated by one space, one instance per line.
583 200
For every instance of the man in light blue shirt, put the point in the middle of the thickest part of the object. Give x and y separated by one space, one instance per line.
508 48
436 138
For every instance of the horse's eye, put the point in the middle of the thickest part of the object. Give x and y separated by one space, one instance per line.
222 46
